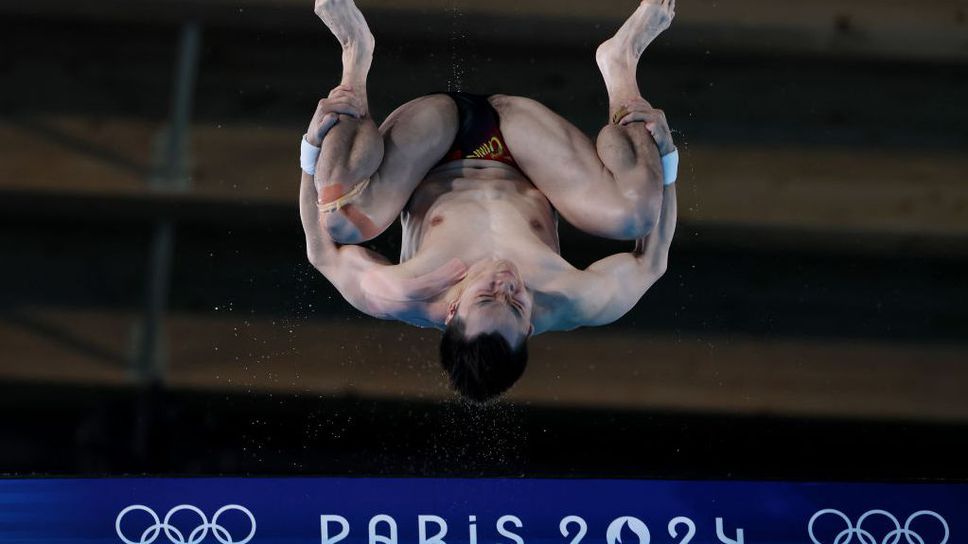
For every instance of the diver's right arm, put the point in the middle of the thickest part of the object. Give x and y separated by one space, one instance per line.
344 266
366 279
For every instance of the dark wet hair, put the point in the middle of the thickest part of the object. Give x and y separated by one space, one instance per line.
482 367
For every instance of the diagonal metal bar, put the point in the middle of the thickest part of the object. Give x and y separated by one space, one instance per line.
171 174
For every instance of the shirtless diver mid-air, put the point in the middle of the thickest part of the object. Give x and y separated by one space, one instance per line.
477 182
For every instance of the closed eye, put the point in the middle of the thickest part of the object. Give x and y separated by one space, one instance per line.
484 300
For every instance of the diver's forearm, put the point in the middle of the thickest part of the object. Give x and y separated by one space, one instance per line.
320 248
653 250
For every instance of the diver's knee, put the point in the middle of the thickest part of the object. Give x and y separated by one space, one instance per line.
640 225
427 122
636 216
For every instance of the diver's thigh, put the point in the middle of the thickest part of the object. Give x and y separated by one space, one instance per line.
564 164
415 137
558 158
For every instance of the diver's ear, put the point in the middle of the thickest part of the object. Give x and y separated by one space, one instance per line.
451 312
530 329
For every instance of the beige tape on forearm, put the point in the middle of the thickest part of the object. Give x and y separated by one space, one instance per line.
344 199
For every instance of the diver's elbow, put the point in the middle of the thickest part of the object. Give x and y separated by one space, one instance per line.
316 257
340 229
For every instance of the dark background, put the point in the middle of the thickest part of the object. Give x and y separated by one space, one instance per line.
158 314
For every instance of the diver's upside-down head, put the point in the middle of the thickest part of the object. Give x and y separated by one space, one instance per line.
484 347
481 367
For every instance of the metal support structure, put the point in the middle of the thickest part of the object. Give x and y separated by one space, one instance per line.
171 173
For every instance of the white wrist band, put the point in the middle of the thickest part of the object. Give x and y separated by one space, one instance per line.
308 155
670 167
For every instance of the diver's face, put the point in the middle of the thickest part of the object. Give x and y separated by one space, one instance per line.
495 300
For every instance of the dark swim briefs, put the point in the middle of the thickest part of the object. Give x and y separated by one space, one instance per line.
478 131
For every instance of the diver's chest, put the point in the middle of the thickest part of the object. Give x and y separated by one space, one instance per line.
498 216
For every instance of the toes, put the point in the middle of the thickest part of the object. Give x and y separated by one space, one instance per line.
329 121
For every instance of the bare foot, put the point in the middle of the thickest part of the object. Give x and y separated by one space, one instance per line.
618 56
648 21
345 21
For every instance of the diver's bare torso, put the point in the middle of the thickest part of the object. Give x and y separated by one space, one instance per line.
476 210
486 202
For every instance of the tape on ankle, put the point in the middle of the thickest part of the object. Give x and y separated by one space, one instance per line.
670 167
308 155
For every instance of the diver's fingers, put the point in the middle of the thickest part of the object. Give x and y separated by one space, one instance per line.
346 97
342 104
634 117
650 116
654 129
346 105
329 121
655 122
320 126
636 106
346 109
644 111
437 281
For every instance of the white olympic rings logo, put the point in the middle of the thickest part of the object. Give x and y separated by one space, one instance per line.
865 537
175 536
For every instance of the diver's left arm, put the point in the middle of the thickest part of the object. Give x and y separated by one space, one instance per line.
609 288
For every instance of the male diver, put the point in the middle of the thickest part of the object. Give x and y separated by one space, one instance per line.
477 182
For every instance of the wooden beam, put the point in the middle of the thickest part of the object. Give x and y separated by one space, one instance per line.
812 189
589 368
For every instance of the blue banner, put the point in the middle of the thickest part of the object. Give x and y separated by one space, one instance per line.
476 511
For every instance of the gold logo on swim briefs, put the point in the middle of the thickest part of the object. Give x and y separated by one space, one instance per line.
492 148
